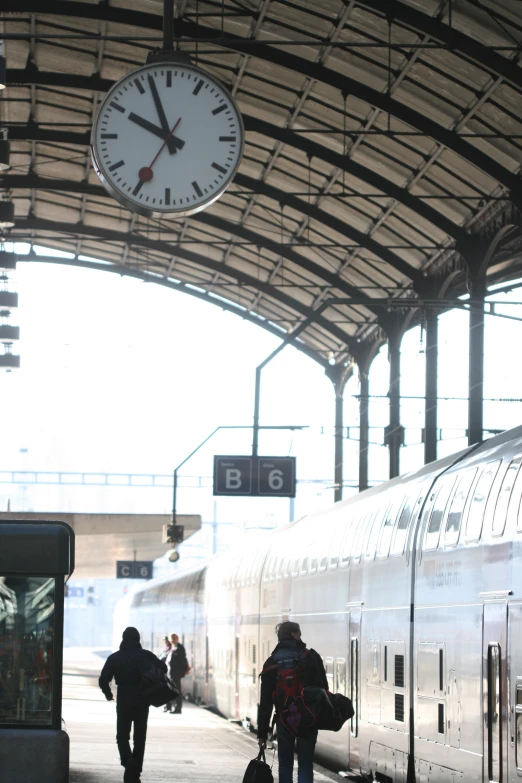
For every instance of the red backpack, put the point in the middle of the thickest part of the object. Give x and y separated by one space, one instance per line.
288 696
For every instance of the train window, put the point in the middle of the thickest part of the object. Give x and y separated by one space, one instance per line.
373 664
499 520
374 532
363 525
514 512
387 529
456 510
431 540
339 531
340 676
480 498
347 547
329 669
401 531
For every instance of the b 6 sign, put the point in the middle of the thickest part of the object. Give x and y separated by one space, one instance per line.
254 476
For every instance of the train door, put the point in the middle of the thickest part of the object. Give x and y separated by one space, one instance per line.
515 693
354 658
494 676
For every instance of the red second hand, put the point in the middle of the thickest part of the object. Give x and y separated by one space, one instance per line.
145 174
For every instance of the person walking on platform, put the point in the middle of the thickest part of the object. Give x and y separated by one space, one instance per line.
290 650
163 656
125 666
178 667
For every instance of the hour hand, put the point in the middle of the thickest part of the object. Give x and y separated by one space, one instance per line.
173 144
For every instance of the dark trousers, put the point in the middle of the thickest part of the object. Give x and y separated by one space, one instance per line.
176 704
286 744
126 717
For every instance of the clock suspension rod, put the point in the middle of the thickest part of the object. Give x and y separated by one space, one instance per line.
168 25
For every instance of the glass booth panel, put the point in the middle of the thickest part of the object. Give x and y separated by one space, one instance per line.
27 615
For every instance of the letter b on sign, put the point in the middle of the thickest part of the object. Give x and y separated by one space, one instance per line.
232 478
232 475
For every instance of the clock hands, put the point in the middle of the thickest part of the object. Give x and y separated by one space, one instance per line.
174 143
159 106
145 174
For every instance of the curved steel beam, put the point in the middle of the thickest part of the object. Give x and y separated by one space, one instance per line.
30 181
456 41
32 76
209 219
125 271
300 65
76 229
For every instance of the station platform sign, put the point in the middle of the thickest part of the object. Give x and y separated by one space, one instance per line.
248 476
134 569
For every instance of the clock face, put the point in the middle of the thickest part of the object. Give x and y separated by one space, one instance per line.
167 140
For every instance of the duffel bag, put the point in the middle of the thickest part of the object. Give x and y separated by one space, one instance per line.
156 688
258 770
340 710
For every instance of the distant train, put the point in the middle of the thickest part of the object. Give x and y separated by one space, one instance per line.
411 592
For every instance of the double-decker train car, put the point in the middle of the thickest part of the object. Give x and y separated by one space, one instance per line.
411 592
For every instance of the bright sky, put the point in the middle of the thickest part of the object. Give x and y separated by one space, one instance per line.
122 376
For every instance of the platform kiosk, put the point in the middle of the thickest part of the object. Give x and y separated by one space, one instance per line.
36 558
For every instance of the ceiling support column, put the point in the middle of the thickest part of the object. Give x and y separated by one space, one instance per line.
476 360
478 255
339 374
394 434
364 427
431 386
394 324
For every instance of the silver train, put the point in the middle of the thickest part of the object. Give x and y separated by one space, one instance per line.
411 592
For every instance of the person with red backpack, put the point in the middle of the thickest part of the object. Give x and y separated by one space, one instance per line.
290 669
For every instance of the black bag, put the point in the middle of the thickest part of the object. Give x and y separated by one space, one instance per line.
258 770
156 688
335 712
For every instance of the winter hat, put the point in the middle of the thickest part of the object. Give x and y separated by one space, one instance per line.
131 635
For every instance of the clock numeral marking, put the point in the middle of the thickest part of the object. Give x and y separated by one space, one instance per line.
198 87
219 168
227 138
167 193
139 85
197 189
117 165
137 188
169 78
109 135
219 109
117 106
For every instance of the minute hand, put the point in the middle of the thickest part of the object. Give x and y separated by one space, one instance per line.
159 108
174 144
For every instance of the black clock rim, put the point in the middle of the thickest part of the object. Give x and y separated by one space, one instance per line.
123 198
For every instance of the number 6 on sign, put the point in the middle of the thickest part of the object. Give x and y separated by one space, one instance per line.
276 476
275 479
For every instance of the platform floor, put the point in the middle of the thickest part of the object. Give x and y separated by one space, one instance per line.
194 747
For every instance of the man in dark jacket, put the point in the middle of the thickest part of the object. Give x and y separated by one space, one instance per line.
178 664
125 667
290 646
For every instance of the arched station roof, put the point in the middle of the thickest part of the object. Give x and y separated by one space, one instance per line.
383 152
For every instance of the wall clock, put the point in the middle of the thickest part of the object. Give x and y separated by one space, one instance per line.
167 140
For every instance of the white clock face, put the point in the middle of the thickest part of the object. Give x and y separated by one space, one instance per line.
167 139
